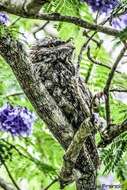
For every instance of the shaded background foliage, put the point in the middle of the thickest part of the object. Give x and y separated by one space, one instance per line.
37 158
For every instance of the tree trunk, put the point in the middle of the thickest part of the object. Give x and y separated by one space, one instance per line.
47 76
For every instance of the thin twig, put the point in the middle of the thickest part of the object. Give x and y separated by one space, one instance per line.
98 46
97 62
14 94
16 149
81 52
118 90
5 185
111 74
91 65
52 183
40 28
108 83
109 135
15 21
89 73
98 43
30 158
11 177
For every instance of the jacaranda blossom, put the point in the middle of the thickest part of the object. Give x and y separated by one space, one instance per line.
120 22
3 18
102 6
106 7
16 120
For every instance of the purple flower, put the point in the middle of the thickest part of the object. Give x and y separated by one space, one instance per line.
120 22
16 120
103 6
3 18
106 6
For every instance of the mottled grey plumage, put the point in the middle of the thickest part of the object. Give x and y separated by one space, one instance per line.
52 65
47 76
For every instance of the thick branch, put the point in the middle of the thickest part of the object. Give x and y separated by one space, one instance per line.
36 91
76 21
20 11
47 76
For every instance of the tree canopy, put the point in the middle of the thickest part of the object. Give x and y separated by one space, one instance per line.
79 47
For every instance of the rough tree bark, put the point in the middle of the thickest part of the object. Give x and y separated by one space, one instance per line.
47 76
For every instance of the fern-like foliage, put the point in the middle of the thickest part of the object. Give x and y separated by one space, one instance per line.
113 156
64 6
